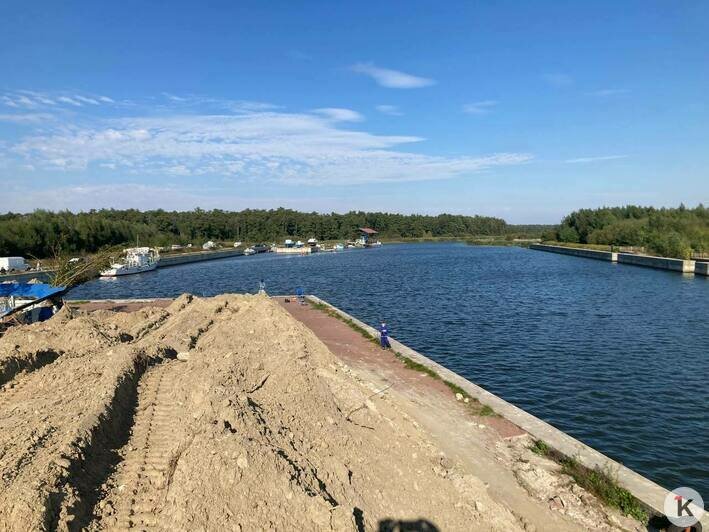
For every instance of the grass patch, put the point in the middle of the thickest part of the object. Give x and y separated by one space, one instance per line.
541 448
595 481
487 411
606 488
416 366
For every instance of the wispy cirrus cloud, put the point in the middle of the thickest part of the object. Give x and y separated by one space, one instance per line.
479 108
261 145
584 160
391 110
392 79
339 114
201 102
605 93
26 118
27 99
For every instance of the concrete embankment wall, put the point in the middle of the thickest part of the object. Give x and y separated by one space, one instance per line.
578 252
186 258
701 268
662 263
647 492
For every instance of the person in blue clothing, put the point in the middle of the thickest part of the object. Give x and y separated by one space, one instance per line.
384 335
300 295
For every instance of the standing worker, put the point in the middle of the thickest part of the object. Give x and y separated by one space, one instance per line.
300 295
262 287
384 336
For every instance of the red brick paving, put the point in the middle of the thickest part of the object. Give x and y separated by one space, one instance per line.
359 352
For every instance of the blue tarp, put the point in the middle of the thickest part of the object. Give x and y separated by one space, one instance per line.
37 292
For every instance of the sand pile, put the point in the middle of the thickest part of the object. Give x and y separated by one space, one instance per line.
219 413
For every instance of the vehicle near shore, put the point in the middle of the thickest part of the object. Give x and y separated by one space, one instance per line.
10 264
138 260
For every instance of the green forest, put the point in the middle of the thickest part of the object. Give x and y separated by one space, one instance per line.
45 234
672 232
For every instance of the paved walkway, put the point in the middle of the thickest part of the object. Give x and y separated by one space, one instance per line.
471 440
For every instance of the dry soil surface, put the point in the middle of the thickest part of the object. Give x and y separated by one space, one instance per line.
223 413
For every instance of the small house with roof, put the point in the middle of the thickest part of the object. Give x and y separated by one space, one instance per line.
366 235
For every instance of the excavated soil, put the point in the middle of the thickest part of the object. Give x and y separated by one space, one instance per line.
221 413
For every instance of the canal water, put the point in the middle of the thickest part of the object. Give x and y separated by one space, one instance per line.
615 355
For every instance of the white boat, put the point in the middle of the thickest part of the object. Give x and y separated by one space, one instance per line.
339 247
249 251
138 260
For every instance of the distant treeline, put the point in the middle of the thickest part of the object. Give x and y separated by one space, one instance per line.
670 232
43 233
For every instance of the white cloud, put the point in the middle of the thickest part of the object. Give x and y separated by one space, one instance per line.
132 195
222 104
35 99
340 115
26 118
558 79
391 110
9 102
85 99
70 101
39 97
479 108
392 79
604 93
583 160
174 97
273 146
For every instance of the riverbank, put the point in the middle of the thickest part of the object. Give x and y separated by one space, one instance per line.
256 419
167 260
648 261
419 378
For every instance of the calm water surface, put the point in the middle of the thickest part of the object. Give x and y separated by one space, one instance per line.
615 355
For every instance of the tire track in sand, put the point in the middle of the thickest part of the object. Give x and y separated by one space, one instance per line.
150 455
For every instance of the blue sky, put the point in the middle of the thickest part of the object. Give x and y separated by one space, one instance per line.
523 110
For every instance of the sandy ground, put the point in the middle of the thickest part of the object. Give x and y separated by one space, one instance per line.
228 413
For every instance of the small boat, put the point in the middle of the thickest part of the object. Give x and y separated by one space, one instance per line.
339 247
138 260
249 251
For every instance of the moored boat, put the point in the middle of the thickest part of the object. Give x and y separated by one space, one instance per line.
138 260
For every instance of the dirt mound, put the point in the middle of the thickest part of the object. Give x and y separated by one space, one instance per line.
219 413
